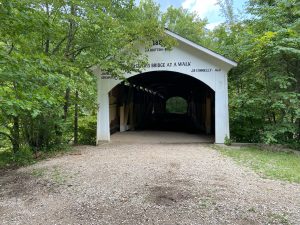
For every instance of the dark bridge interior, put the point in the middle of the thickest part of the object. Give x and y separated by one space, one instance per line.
141 103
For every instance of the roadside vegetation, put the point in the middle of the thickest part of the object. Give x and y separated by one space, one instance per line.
270 164
25 156
48 47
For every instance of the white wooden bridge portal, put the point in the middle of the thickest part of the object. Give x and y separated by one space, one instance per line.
190 71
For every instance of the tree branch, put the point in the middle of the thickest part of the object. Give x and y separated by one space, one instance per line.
11 48
58 45
78 51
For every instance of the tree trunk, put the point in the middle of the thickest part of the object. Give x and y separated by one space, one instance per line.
16 134
67 102
76 118
69 47
298 121
47 42
71 33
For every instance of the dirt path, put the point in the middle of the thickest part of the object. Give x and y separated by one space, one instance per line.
145 184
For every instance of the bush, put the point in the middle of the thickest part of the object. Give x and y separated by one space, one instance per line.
22 158
87 130
227 141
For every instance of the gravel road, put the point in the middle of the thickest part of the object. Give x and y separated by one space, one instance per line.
145 183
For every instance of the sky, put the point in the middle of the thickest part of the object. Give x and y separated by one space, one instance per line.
204 8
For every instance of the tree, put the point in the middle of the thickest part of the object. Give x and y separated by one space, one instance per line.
47 48
187 24
264 88
227 11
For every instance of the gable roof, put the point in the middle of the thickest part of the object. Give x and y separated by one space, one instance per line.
201 48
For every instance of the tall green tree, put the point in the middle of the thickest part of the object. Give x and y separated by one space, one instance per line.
187 24
47 48
264 88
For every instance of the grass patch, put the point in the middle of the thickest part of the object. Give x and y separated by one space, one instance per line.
279 165
206 203
278 218
58 177
38 172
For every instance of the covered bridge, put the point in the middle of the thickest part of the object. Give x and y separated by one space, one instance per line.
192 72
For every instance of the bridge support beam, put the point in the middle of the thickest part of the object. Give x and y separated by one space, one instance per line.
221 111
103 121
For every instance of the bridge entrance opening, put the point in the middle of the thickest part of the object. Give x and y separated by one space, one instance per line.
164 101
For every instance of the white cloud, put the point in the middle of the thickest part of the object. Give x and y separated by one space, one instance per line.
202 7
187 4
211 26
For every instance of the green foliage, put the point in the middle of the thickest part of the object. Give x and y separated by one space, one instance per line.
47 50
264 89
87 130
22 158
5 158
277 165
227 141
187 24
226 8
26 156
176 105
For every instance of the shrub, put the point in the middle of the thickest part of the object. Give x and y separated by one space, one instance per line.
22 158
227 141
87 130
